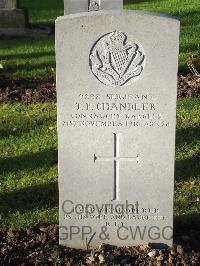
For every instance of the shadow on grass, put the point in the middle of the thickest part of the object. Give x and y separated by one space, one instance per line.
24 127
187 17
188 47
190 222
29 161
132 2
27 55
187 135
43 12
187 230
29 199
190 167
27 43
26 66
184 169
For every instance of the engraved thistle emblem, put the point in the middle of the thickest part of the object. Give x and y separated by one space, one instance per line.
115 62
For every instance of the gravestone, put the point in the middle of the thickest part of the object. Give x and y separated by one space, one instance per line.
8 4
76 6
13 20
116 90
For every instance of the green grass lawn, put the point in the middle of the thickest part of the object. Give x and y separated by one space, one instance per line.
34 56
188 11
28 160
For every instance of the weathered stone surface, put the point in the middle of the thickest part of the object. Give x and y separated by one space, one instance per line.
111 5
71 6
13 20
116 84
76 6
8 3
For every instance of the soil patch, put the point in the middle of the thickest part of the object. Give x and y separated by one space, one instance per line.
27 91
39 246
34 91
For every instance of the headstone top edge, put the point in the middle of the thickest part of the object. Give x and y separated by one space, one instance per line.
110 12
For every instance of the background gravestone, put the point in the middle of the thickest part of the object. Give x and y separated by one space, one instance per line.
76 6
116 91
13 20
9 3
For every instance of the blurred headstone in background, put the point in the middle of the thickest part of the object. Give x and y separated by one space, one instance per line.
77 6
13 20
9 3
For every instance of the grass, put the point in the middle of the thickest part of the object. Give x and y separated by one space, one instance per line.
34 56
187 172
28 173
188 11
43 12
31 57
28 159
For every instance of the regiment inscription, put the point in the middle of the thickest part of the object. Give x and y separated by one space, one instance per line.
117 110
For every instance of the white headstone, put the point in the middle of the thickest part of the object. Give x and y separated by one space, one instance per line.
76 6
116 84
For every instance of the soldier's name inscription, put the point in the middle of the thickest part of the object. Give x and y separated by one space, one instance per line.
124 106
116 110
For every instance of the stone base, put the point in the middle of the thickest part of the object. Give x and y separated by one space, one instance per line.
13 21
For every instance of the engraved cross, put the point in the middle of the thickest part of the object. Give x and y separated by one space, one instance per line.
116 159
